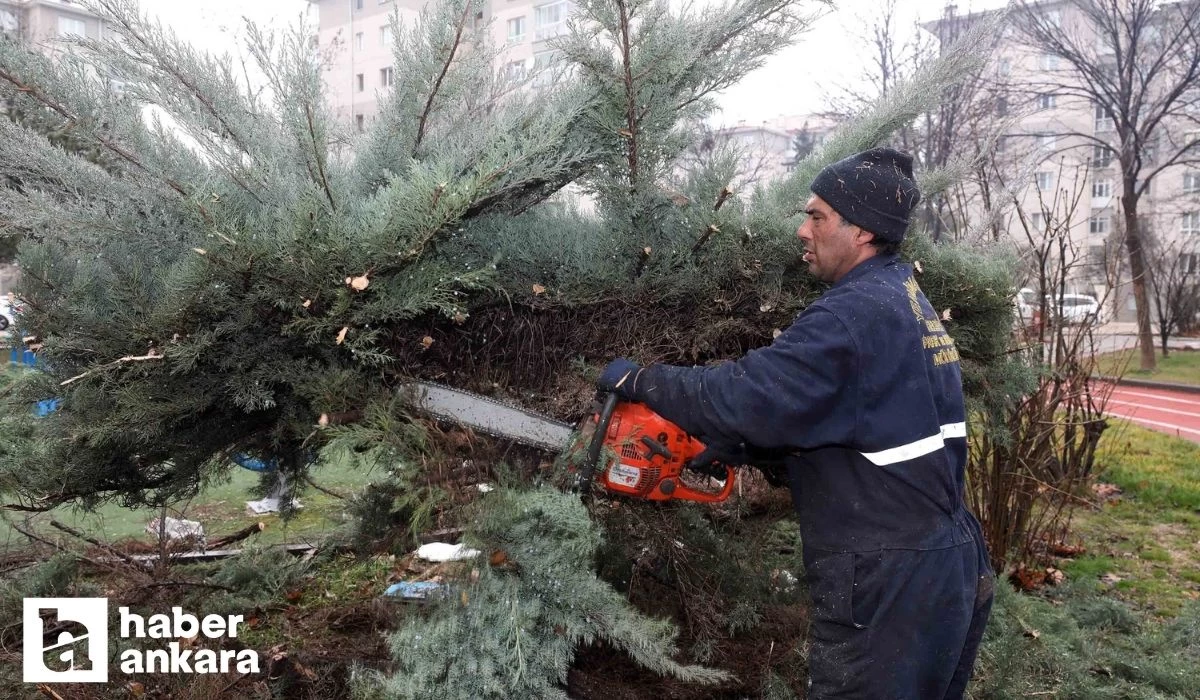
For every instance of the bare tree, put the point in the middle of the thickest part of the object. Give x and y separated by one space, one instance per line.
1032 459
1138 63
1176 286
889 63
963 127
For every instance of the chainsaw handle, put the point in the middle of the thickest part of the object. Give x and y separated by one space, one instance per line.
689 494
593 454
710 461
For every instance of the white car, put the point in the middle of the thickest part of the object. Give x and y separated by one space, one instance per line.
8 316
1077 308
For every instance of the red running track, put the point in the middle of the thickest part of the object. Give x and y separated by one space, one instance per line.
1173 412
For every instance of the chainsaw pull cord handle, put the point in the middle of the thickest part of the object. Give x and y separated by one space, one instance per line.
593 453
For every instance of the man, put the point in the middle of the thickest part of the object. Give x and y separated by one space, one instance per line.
864 392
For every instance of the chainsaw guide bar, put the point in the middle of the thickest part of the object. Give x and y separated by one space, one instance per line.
487 415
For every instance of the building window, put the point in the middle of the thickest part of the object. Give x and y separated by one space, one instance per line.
1044 180
514 70
1097 258
360 83
71 26
358 42
1054 18
516 30
1102 188
1001 106
1190 226
543 64
1004 67
1101 156
385 35
386 76
1104 120
1189 263
1037 222
549 20
1191 182
1047 100
1048 61
1045 141
358 4
359 123
1098 224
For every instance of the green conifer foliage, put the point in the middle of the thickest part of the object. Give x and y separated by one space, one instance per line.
210 294
514 631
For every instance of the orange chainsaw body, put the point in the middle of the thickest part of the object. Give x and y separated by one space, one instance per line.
648 455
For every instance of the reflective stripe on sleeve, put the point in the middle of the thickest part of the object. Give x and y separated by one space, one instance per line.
919 448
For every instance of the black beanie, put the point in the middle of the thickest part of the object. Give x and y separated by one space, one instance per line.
874 190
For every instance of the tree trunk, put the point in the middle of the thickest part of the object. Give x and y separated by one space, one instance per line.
1137 273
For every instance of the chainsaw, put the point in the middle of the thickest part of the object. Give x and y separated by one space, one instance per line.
645 457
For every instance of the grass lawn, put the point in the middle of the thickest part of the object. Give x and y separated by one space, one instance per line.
1181 366
221 508
1146 544
1126 621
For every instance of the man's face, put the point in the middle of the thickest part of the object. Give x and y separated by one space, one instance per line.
833 246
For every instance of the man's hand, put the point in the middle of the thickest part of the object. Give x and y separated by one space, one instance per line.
713 459
619 378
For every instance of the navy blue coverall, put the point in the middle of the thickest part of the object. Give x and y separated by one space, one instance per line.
864 389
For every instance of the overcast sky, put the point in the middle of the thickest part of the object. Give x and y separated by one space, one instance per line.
794 81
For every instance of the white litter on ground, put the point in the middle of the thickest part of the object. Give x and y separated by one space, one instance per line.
441 551
177 529
269 504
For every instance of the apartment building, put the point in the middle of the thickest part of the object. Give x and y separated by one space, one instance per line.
355 37
766 151
767 148
43 21
1068 181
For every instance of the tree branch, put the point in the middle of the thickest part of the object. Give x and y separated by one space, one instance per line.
631 119
44 99
114 363
318 155
437 83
